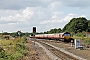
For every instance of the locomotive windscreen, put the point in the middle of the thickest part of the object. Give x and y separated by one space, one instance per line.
66 34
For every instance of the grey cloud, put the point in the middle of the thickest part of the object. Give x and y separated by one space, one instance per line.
7 22
37 17
20 4
76 3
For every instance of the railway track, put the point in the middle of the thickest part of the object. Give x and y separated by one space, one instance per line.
58 53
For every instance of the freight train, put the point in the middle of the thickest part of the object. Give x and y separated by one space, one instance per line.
65 37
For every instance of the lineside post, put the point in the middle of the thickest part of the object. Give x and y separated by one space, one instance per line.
71 43
34 32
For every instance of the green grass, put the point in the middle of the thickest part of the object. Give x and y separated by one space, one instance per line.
86 39
13 49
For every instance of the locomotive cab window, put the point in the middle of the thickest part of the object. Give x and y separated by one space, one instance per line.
66 34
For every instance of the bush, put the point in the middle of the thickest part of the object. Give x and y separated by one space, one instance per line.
87 42
16 56
2 59
17 46
24 39
21 49
20 46
2 54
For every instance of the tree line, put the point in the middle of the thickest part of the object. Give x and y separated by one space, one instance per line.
76 25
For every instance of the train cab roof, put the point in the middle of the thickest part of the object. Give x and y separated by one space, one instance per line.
66 33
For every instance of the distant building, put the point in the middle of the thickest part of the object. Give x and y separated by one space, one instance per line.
87 34
9 37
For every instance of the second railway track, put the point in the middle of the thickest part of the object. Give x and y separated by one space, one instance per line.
58 53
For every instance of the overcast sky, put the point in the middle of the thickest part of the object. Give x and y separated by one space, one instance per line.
43 14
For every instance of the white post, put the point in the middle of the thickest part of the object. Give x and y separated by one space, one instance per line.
72 43
77 43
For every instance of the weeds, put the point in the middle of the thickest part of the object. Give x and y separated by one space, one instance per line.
13 49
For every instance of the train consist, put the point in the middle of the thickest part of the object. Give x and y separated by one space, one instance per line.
65 37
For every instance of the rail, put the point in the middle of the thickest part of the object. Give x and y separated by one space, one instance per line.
58 53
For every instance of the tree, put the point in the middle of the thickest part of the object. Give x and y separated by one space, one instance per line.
81 25
5 33
59 30
88 30
26 34
54 30
13 34
76 25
